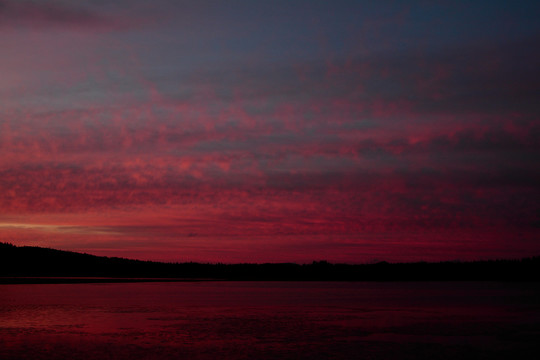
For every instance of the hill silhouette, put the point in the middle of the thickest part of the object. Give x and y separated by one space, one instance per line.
33 263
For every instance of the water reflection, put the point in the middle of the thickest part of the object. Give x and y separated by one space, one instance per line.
268 320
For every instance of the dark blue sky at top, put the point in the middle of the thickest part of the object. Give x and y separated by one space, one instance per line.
287 30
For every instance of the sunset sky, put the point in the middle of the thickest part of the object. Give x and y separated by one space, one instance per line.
271 131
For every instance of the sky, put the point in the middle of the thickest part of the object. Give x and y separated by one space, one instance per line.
271 131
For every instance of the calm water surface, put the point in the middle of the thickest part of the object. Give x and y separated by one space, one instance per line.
270 320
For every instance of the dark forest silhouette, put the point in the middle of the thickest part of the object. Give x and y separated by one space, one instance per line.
32 263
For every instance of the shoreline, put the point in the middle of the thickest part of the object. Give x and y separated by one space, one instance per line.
37 280
16 280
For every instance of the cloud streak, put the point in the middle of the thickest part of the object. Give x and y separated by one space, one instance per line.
59 229
46 13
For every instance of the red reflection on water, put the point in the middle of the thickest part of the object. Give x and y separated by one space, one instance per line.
266 320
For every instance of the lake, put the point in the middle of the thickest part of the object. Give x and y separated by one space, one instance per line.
270 320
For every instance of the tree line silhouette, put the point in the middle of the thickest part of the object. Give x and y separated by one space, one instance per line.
35 262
